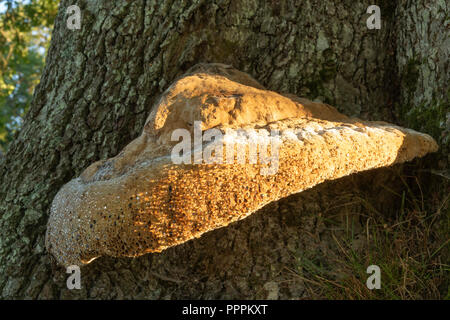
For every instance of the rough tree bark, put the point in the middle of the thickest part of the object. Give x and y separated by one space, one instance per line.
99 85
423 52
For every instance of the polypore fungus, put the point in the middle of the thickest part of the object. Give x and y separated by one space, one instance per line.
142 201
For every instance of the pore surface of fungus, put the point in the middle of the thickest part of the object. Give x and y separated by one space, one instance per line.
140 201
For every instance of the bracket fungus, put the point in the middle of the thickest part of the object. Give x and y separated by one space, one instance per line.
140 201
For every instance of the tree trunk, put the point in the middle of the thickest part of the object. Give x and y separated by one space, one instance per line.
101 81
423 60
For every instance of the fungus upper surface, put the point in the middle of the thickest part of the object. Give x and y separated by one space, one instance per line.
140 201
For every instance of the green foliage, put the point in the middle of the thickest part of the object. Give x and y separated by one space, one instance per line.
25 28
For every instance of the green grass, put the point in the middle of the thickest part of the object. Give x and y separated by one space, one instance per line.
411 247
